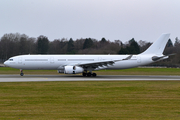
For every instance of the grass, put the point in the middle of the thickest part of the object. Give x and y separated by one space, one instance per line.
132 71
131 100
90 100
8 70
142 71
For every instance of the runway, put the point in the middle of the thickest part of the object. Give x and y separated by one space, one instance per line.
38 78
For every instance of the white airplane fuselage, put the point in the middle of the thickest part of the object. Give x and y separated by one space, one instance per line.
57 62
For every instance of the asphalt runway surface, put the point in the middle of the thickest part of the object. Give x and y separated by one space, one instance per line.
37 78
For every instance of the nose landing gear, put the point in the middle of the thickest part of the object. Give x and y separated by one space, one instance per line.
21 74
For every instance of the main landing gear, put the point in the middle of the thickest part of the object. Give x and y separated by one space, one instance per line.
21 72
89 74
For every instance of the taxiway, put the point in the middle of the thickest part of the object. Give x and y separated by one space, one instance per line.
37 78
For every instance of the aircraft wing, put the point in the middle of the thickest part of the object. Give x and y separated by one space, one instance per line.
97 64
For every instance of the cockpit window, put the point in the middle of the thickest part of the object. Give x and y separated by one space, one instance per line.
10 59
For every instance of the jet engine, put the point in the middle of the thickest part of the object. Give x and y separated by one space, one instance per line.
73 69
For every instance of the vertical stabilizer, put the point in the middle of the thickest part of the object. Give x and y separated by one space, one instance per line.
158 46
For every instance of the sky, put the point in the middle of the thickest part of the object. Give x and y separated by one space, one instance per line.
112 19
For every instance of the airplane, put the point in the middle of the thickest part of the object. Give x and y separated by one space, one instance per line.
85 64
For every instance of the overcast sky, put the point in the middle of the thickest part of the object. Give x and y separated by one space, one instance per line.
112 19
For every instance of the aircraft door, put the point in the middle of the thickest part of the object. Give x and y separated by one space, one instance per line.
20 60
51 59
138 59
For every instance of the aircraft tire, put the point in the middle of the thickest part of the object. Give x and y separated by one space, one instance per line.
21 74
94 74
84 74
89 74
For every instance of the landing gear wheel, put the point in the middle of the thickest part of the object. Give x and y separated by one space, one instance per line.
94 75
84 74
89 74
21 74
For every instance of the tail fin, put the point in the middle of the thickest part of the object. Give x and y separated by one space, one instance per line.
158 46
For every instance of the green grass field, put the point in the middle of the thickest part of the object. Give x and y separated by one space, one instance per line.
132 100
132 71
136 100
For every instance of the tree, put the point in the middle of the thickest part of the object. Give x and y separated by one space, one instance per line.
123 51
4 47
31 45
9 45
54 47
103 40
169 43
88 43
177 42
23 45
143 45
132 48
70 47
118 42
42 45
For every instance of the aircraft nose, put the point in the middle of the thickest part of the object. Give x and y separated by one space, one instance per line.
6 63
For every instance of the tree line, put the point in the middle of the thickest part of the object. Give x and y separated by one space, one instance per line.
18 44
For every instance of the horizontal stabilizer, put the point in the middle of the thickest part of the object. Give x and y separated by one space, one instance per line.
156 58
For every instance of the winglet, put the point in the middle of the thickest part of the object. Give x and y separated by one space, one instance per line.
129 57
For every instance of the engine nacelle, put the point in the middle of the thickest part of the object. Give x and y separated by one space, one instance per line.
73 69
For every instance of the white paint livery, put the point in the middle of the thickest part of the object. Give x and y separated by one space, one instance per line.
73 64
